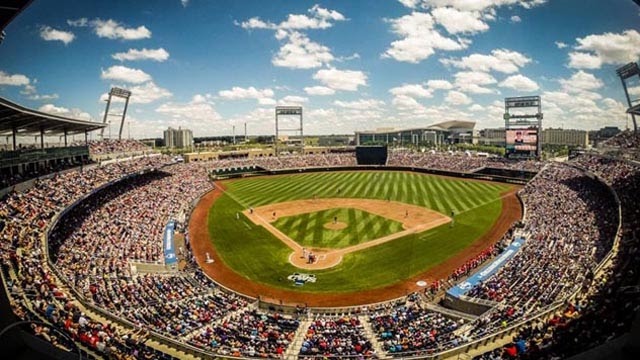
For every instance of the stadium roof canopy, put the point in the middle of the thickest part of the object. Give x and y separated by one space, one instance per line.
18 120
10 9
442 126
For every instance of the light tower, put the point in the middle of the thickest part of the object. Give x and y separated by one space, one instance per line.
120 93
296 130
625 73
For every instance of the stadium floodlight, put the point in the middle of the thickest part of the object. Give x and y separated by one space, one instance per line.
297 130
626 72
120 93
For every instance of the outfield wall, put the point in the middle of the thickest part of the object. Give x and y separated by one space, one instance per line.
464 175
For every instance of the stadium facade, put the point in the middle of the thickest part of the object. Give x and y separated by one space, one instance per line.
447 132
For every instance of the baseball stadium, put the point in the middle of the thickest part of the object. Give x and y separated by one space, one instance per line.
398 243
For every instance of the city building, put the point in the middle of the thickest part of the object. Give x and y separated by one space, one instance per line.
448 132
178 138
493 137
567 137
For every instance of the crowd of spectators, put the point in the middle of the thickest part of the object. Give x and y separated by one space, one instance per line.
286 162
336 336
250 333
35 293
114 146
457 161
561 250
606 305
410 329
627 139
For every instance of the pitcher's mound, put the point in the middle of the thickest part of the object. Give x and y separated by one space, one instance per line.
335 226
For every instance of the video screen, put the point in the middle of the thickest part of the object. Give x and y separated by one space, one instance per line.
522 139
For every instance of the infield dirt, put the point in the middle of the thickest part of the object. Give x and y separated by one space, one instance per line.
414 219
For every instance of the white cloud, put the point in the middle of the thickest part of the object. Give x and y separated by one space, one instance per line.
581 81
347 80
419 39
347 58
123 73
474 82
323 13
456 21
362 104
50 34
298 51
476 107
198 109
267 101
320 18
634 91
515 19
255 23
264 96
293 100
520 83
301 53
43 97
581 60
457 98
612 48
112 29
410 3
561 45
81 22
184 3
62 111
319 90
439 85
411 90
13 80
159 55
478 5
502 60
407 103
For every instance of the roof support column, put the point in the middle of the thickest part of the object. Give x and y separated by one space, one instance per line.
13 134
65 137
42 137
86 137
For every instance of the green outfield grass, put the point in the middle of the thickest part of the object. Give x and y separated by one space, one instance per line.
254 253
308 229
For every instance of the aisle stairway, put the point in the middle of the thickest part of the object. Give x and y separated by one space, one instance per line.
371 335
294 348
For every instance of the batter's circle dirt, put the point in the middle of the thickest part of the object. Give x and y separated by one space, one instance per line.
335 226
201 246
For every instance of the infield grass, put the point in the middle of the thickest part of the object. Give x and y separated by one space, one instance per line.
308 229
256 254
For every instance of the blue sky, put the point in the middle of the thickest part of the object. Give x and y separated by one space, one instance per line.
353 65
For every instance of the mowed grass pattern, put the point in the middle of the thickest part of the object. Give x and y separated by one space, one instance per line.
256 254
441 194
308 229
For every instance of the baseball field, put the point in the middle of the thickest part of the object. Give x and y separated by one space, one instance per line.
370 231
